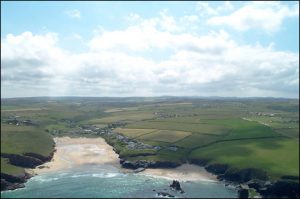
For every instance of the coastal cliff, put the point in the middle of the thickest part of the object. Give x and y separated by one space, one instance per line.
251 178
26 160
243 179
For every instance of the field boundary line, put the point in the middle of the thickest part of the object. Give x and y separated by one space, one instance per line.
236 139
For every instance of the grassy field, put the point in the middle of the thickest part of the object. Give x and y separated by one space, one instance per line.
128 116
20 140
196 140
201 128
165 136
28 139
133 133
10 169
275 155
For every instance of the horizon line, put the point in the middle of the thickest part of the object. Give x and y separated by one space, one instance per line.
160 96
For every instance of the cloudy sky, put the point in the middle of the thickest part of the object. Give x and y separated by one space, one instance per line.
150 49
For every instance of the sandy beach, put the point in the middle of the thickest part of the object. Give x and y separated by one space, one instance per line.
71 152
185 172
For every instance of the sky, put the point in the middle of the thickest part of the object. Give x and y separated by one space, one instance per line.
120 49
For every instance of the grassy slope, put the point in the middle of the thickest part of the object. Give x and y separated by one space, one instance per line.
20 139
278 156
10 169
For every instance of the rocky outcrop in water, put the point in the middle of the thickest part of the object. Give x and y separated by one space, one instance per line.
11 182
164 195
243 193
176 186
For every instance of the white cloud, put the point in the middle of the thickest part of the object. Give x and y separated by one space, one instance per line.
74 13
122 63
133 17
204 8
165 22
267 16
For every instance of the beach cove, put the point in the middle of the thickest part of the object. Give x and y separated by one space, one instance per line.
93 163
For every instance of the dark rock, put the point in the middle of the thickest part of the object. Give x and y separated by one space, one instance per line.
129 165
5 185
256 184
11 182
146 164
165 164
243 193
282 188
139 170
217 168
40 157
29 160
176 185
244 175
135 165
290 177
200 162
42 167
12 178
122 161
164 194
22 161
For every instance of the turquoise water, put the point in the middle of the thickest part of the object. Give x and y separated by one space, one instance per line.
107 181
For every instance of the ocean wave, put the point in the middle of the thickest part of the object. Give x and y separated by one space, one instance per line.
80 175
44 179
96 175
106 175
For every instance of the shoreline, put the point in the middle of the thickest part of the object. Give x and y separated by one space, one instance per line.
72 152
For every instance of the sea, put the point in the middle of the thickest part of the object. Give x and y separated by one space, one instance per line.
106 181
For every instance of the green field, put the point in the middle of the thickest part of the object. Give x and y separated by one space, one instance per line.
165 136
201 128
133 133
28 139
123 116
10 169
276 155
20 140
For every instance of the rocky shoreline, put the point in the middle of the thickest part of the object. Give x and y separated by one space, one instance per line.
28 160
243 179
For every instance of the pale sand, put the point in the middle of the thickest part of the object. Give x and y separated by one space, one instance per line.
71 152
185 172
